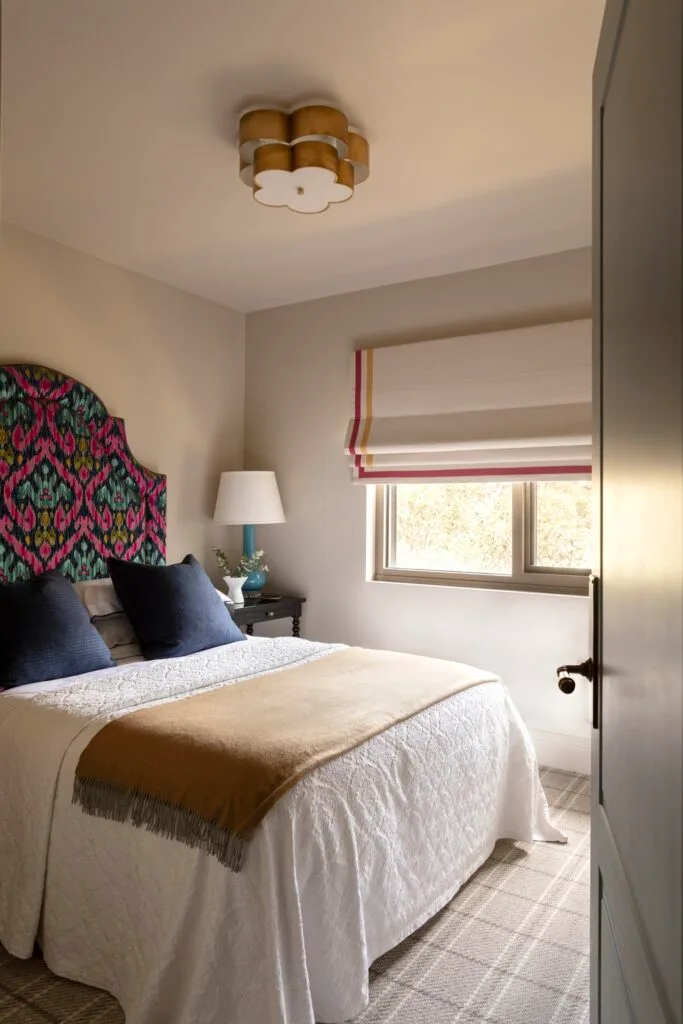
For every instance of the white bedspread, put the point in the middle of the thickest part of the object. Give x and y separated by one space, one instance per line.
351 861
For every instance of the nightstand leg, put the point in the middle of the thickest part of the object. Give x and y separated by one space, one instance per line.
296 621
250 630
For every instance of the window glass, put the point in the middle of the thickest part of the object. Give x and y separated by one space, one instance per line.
453 527
563 537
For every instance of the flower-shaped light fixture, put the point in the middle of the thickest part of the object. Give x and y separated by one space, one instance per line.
304 160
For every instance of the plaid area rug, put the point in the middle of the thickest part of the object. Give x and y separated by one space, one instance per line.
511 948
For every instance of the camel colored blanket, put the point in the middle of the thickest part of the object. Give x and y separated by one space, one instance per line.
206 769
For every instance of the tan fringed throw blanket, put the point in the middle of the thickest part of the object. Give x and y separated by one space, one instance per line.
206 769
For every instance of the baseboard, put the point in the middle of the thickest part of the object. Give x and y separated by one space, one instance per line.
556 750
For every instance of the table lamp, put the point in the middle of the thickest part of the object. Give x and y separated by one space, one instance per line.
247 498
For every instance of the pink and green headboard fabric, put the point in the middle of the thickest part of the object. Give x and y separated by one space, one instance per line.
71 492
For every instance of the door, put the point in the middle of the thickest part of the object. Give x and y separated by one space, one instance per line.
637 745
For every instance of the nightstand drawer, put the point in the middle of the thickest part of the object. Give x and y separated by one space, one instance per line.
260 610
267 610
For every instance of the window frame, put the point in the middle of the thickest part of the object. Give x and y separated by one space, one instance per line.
525 575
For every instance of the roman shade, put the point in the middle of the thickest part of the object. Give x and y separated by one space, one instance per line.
506 405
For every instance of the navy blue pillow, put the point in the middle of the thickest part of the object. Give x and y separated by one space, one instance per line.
174 609
45 633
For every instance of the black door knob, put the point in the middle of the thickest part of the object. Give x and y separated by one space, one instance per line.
585 668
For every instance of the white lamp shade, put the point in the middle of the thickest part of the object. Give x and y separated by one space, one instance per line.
248 497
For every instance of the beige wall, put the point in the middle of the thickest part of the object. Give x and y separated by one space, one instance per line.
299 386
171 365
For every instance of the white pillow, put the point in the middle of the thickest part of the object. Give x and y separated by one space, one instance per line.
99 597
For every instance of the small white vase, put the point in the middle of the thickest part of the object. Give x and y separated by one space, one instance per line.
234 585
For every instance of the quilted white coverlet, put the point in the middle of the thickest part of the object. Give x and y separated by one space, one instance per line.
351 861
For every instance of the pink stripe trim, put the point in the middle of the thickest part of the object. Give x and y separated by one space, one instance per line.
357 402
416 474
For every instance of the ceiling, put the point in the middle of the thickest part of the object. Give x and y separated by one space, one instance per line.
120 122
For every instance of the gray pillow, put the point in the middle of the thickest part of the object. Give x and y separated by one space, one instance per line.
127 654
116 630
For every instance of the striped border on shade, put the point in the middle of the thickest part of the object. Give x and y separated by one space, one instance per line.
362 419
470 408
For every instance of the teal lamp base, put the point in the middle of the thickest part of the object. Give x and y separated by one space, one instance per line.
256 580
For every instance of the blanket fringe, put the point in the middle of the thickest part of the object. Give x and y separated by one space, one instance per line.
117 803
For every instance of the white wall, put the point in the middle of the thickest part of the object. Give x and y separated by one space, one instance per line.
170 364
299 384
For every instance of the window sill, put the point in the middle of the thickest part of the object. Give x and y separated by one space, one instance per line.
578 589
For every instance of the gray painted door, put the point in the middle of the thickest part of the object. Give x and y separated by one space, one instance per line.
637 749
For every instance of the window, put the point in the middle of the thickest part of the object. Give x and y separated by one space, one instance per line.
521 536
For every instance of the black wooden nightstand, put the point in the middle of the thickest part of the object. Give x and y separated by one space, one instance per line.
264 608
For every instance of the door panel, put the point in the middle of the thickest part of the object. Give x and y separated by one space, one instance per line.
612 893
638 748
617 1007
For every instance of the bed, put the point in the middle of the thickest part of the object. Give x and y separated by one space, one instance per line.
354 858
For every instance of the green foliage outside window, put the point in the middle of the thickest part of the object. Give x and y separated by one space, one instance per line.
468 527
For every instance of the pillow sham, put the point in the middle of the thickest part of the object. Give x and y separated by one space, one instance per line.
127 654
116 630
174 609
99 597
118 634
45 633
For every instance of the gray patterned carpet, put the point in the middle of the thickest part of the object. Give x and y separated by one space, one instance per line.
511 948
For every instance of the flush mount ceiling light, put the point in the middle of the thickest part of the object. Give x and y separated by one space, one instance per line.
304 160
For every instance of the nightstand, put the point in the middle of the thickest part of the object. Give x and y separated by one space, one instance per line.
264 609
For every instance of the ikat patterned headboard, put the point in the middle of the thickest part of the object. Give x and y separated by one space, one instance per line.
71 492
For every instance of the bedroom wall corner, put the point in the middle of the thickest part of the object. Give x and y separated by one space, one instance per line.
299 386
170 364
